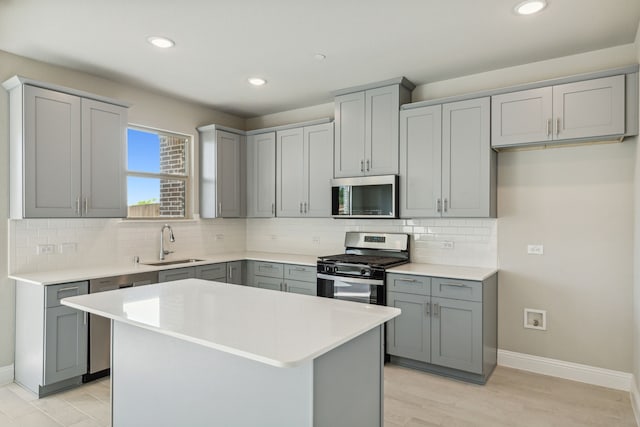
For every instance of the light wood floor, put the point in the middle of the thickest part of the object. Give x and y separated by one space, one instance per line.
510 398
412 398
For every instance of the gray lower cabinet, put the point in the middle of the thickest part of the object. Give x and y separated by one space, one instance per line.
580 110
447 326
177 274
51 339
235 272
300 279
215 272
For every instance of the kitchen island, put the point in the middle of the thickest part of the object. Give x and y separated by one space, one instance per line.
194 352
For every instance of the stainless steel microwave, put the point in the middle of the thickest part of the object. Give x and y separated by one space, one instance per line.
365 197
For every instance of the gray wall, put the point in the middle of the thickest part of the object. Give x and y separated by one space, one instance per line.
148 109
636 257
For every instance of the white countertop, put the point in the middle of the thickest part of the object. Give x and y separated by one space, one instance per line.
88 273
277 328
446 271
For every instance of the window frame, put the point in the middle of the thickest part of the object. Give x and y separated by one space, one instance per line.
187 178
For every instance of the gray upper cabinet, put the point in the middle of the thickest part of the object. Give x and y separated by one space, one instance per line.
366 134
222 174
420 162
104 186
447 167
304 170
261 175
67 154
581 110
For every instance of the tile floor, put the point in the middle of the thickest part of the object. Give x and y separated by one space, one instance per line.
412 399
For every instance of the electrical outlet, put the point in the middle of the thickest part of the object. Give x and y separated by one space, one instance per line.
446 245
315 240
46 249
68 248
535 249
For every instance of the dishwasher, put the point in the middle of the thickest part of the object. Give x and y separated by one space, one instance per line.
99 351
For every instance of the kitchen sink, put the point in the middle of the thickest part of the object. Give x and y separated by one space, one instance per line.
177 261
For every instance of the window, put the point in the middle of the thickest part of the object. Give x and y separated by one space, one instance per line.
157 173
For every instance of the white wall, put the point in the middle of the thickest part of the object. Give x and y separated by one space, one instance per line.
636 255
98 240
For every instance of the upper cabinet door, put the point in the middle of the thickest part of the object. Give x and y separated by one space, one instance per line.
349 134
290 187
229 170
521 117
104 188
261 175
589 108
466 159
318 158
381 130
52 139
420 162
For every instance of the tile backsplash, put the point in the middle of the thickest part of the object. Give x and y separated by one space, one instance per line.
96 242
470 242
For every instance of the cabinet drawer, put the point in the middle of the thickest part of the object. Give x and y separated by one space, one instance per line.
408 283
56 292
302 273
272 283
269 269
456 289
301 287
215 272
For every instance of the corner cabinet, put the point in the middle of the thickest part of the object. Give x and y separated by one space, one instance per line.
261 175
581 110
304 171
222 173
447 326
51 339
67 153
447 167
366 135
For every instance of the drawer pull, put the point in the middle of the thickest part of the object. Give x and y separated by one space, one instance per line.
408 280
457 285
68 289
299 269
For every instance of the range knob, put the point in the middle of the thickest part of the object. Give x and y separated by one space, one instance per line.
363 272
328 269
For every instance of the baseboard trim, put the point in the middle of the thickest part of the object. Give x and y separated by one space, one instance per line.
568 370
6 374
635 399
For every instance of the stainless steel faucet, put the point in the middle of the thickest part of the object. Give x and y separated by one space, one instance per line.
163 251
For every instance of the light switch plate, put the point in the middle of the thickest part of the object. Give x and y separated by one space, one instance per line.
46 249
447 245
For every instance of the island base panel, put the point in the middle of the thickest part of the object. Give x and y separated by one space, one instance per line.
160 380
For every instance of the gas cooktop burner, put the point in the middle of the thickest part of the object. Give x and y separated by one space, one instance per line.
370 260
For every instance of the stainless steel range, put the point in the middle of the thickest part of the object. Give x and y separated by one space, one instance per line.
359 273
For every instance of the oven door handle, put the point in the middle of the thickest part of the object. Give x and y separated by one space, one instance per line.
355 280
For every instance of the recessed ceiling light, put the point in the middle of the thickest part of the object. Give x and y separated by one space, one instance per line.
161 42
530 7
257 81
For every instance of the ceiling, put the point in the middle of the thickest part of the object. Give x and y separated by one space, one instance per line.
220 43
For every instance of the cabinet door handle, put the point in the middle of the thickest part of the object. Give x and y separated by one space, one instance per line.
305 207
220 208
85 317
368 164
445 205
78 205
86 205
427 309
438 206
436 309
300 207
230 272
558 126
273 208
284 286
549 126
361 165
